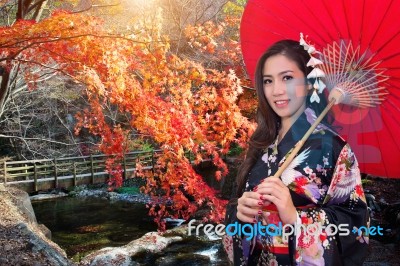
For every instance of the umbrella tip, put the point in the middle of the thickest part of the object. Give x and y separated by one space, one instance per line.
342 93
339 95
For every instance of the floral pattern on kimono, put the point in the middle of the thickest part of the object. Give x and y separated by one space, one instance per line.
325 186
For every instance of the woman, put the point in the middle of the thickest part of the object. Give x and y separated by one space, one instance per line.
321 187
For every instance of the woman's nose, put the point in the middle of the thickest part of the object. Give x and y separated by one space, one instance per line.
278 88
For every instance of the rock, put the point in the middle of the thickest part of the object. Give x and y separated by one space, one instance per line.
23 203
40 197
112 256
46 231
194 259
21 240
112 196
39 244
152 242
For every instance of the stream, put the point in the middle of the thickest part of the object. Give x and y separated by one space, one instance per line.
80 226
83 225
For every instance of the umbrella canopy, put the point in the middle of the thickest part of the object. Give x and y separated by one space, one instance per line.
373 30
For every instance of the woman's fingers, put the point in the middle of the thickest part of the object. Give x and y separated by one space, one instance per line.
277 191
251 200
249 206
272 199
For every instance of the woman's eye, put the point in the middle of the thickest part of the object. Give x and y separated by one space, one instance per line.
286 78
267 81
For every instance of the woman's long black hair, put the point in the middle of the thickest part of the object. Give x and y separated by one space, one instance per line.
268 122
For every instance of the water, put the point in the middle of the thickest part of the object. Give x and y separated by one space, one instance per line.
81 226
189 252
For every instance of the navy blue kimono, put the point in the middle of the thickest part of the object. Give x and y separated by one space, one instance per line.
325 186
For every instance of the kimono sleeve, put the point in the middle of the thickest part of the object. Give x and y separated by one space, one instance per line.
236 247
343 209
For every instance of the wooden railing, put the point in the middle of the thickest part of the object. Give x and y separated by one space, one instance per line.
34 175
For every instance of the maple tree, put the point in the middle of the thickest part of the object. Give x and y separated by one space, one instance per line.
217 44
20 113
183 104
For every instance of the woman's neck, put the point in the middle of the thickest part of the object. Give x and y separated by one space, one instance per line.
287 122
282 132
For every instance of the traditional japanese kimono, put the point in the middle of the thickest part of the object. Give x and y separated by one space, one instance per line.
325 186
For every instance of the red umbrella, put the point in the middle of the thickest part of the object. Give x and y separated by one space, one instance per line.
374 32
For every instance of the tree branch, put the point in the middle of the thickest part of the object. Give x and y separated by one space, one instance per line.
46 140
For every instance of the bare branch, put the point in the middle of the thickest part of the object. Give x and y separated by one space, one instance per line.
24 139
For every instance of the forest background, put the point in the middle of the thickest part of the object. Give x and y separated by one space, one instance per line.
82 77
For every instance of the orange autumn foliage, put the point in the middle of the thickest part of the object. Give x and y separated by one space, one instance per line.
182 104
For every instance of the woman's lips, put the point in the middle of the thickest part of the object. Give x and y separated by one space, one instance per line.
282 103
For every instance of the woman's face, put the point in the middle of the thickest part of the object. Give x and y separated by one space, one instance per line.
284 87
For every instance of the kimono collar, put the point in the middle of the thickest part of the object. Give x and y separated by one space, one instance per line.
296 131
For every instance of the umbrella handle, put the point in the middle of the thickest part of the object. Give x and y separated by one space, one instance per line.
293 152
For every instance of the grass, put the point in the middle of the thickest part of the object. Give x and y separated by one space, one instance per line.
128 190
235 150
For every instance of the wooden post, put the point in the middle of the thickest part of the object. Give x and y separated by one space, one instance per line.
91 170
55 174
35 186
74 164
5 172
26 172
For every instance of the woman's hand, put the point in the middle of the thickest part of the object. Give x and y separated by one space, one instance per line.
249 206
273 190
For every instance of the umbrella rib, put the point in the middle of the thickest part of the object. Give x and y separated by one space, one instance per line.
380 24
392 55
387 42
346 18
301 18
362 24
331 17
393 68
284 22
391 114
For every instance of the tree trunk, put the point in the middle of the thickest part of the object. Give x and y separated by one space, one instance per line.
26 6
39 10
4 88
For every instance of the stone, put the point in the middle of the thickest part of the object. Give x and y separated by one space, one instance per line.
152 242
46 231
40 197
25 243
196 259
23 202
112 256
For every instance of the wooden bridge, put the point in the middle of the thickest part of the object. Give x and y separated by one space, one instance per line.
36 175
